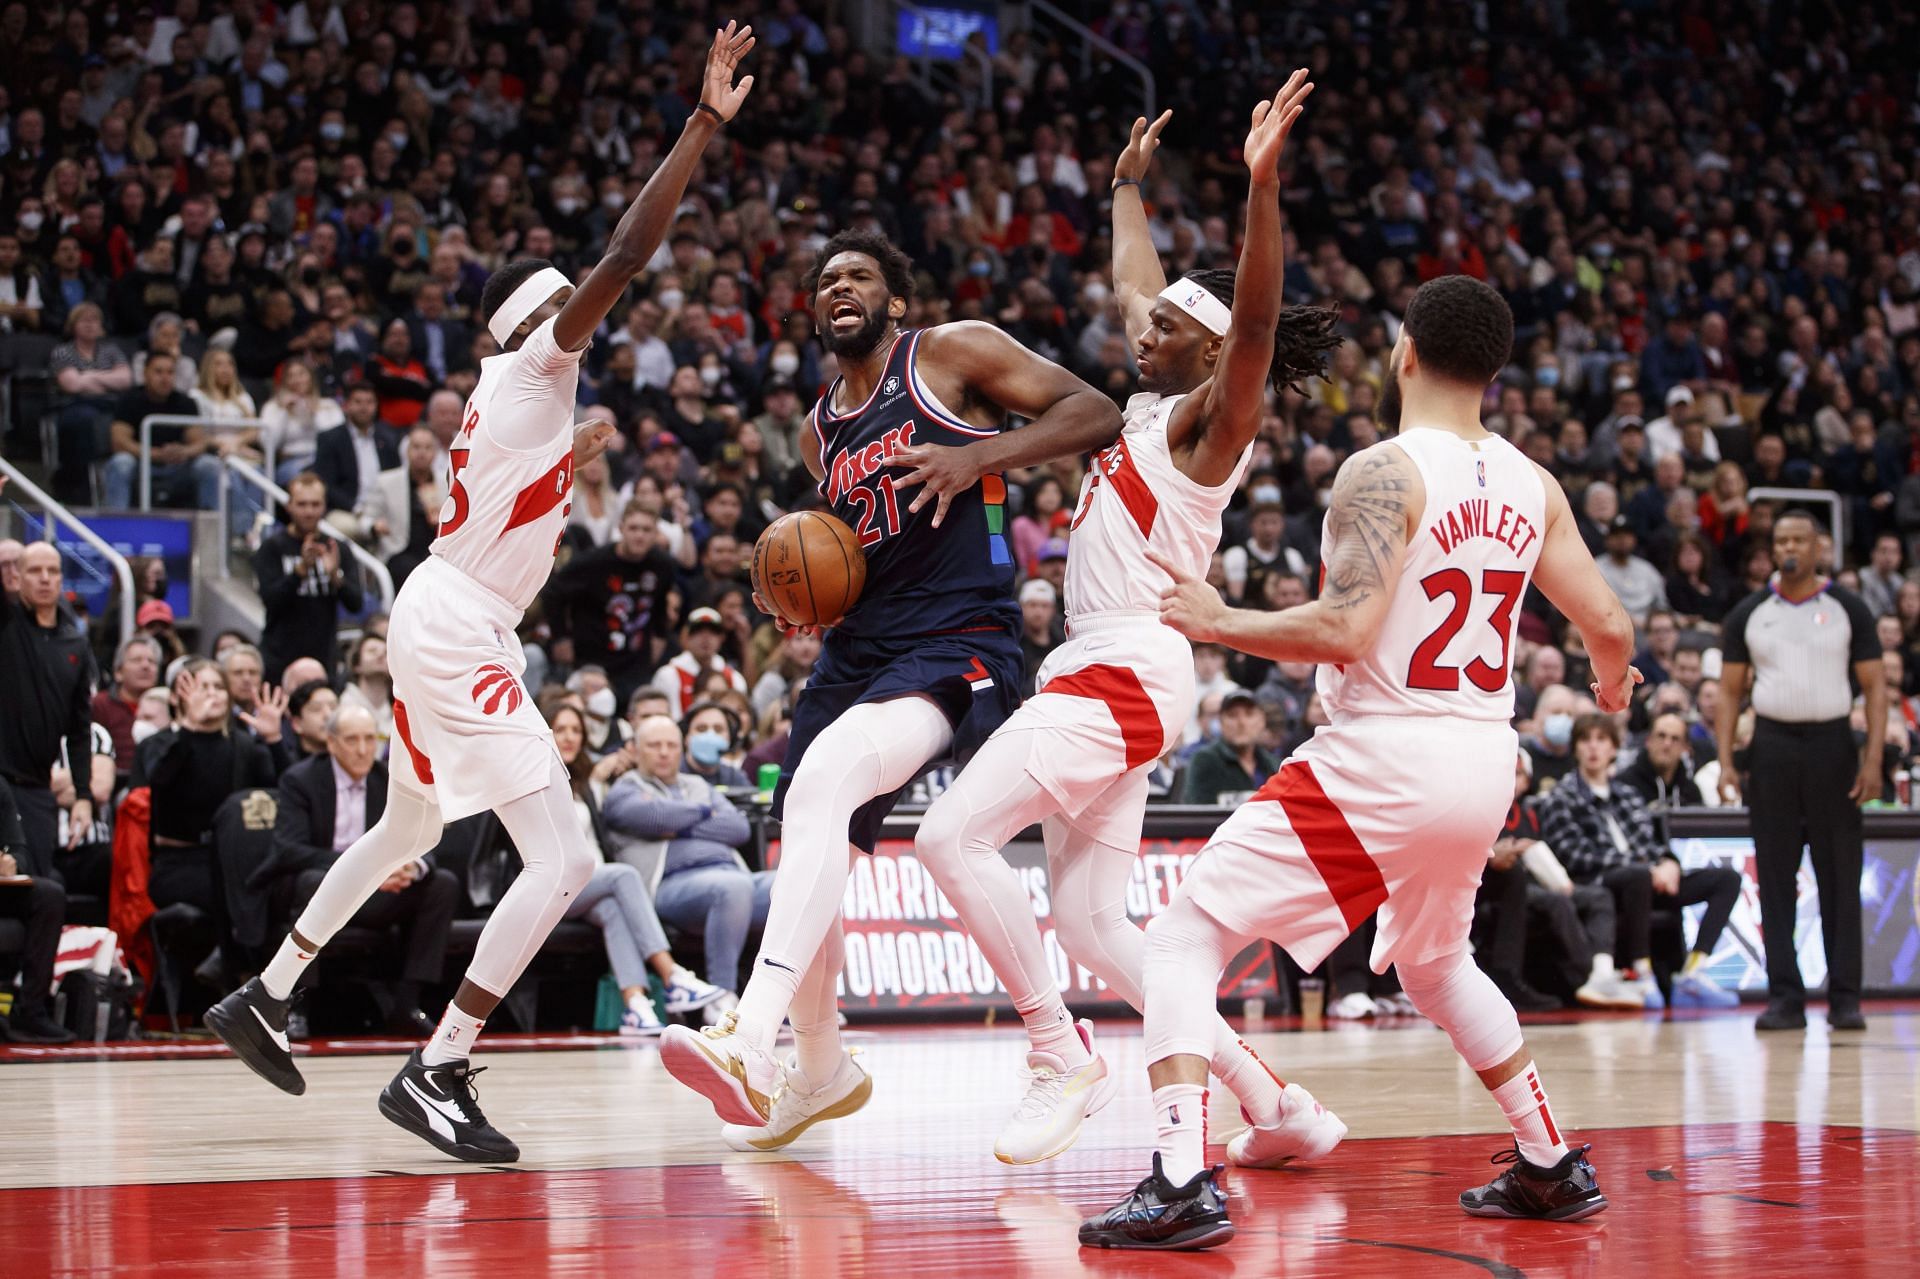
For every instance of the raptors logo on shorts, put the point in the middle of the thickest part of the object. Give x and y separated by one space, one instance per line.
495 689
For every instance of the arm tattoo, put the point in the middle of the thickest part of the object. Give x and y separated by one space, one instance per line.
1369 526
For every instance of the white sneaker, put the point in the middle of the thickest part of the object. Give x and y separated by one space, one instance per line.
1397 1004
1355 1007
716 1012
737 1077
687 993
1058 1101
1307 1130
1608 990
641 1019
796 1110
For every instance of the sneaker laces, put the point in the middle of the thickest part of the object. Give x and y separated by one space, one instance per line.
727 1026
1046 1092
468 1095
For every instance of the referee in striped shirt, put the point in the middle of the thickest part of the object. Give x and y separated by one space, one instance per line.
1806 641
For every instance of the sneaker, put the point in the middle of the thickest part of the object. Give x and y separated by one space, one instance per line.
440 1105
1160 1215
1609 991
254 1025
795 1109
737 1077
1058 1101
1568 1191
38 1028
1354 1007
297 1029
1781 1015
687 993
1650 997
1697 990
716 1012
1845 1015
1395 1005
640 1018
1307 1131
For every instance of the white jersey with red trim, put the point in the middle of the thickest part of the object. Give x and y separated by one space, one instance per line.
1135 499
512 465
1446 647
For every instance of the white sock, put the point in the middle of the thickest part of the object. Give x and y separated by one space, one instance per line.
1249 1079
453 1038
1050 1028
815 1014
283 971
1524 1102
1180 1111
1602 967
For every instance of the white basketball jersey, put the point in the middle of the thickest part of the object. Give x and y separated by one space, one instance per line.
1446 647
507 508
1135 498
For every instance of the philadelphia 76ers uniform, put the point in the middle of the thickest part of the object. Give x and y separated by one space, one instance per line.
1394 806
472 735
1117 694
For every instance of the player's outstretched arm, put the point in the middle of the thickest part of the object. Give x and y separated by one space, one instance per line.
1223 423
1137 277
1376 500
1066 416
1571 581
637 237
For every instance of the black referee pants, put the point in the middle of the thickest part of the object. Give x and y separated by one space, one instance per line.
1799 779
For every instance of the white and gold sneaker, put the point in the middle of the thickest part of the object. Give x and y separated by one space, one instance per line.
1306 1131
738 1078
1058 1101
795 1109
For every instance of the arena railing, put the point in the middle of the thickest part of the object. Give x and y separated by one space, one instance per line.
1836 521
1091 41
58 514
246 471
152 420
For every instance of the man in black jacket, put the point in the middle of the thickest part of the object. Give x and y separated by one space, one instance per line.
304 578
1660 772
326 803
40 904
46 684
348 458
610 603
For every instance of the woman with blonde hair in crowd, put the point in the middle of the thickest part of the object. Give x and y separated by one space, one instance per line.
295 416
596 502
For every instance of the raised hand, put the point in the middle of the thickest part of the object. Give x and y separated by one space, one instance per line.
1137 156
1272 122
268 714
718 89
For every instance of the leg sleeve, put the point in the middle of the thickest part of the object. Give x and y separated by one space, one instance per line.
406 831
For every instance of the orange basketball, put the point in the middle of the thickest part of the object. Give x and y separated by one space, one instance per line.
810 567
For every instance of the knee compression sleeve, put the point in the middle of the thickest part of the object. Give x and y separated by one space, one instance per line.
1464 1002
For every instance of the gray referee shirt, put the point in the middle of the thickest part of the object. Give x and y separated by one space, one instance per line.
1802 654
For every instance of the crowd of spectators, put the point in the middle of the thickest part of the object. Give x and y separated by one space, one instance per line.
1705 217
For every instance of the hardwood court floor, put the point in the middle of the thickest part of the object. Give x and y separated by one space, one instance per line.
1724 1153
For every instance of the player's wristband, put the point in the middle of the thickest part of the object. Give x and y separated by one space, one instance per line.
701 106
1124 182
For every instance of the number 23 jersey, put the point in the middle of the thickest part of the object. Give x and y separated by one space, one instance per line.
1446 646
512 470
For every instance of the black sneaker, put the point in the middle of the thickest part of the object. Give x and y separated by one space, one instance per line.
1845 1015
1568 1191
38 1028
1159 1215
254 1024
439 1105
1782 1016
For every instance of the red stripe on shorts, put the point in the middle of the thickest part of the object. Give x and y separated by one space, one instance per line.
1335 851
422 766
1132 709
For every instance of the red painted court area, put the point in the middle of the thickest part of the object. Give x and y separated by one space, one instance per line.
1723 1199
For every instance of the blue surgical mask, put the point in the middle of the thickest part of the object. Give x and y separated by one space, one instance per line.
706 748
1547 375
1557 731
981 269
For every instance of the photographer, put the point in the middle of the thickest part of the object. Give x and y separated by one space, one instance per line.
304 580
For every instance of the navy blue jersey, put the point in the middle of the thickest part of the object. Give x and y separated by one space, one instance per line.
920 580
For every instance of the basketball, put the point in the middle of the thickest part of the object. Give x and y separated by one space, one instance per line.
809 565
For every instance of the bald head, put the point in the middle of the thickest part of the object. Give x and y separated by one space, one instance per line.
353 739
656 740
302 670
40 579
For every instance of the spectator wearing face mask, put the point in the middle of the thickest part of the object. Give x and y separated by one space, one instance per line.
605 732
712 733
1551 743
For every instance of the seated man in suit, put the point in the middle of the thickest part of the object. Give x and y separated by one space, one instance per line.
326 803
350 457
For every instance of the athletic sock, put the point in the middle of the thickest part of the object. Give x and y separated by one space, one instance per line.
1180 1111
1603 967
1694 960
1261 1092
1050 1028
764 1003
1524 1102
283 971
453 1038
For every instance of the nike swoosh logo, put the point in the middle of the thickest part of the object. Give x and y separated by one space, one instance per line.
278 1036
441 1115
774 963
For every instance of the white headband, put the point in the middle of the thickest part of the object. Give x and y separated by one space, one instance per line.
524 301
1200 304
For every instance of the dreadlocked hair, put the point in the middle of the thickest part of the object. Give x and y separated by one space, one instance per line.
1301 339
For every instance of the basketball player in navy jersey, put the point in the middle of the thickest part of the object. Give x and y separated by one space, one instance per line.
926 663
